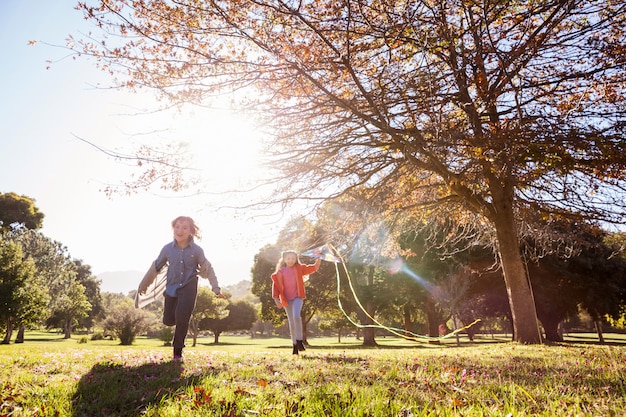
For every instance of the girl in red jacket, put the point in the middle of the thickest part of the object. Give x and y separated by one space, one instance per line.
289 293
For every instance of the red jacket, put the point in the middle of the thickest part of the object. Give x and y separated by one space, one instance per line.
278 286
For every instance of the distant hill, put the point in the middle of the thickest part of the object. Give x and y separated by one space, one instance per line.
119 281
241 291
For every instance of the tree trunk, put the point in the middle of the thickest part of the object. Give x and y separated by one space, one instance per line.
551 327
518 288
369 334
598 324
67 329
20 334
408 325
433 319
216 338
8 333
458 338
369 337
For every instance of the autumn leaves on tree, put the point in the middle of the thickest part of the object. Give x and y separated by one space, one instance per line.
498 114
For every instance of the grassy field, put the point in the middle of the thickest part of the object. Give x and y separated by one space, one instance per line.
49 376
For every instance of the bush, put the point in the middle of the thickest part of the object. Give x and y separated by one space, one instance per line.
166 334
126 322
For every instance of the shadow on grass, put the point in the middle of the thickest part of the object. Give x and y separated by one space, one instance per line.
364 347
52 338
585 339
396 343
112 389
220 344
381 344
352 346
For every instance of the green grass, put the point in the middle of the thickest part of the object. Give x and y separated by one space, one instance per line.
49 376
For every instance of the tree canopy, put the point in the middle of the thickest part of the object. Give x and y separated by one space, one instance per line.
22 296
494 112
208 307
19 210
62 280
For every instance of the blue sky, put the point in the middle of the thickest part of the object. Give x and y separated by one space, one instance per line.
43 111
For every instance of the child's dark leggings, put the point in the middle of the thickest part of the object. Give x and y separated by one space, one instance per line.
177 312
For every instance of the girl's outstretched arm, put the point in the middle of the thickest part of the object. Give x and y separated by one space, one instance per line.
206 271
148 279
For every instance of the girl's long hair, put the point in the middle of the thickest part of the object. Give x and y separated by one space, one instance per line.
281 262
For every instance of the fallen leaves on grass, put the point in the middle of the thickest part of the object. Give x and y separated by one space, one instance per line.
202 397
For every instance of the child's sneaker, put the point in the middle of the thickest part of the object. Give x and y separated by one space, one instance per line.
300 345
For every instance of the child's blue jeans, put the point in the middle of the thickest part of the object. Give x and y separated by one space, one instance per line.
294 310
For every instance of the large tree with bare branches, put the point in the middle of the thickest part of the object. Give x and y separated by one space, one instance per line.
500 110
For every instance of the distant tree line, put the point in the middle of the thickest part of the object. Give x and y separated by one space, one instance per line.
40 283
42 286
441 274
